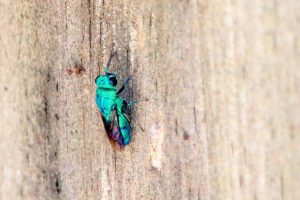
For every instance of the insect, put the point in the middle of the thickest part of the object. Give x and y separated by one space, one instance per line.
113 108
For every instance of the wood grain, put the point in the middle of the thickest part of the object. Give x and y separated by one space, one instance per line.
222 80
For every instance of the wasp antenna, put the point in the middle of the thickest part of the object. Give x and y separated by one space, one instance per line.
105 69
133 102
137 101
113 54
128 79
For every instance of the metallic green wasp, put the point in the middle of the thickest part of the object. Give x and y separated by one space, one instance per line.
113 108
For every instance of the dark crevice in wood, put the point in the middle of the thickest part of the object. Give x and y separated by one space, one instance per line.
90 27
57 184
195 119
176 126
150 22
46 108
48 76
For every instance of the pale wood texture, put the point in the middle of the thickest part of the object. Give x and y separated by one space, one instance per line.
222 80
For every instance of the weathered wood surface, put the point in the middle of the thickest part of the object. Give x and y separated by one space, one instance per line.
222 79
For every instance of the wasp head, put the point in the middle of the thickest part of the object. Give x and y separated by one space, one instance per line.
108 80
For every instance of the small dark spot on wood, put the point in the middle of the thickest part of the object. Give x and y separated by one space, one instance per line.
56 86
186 136
244 72
27 157
46 107
5 88
57 184
195 119
142 128
166 96
48 76
56 116
273 133
176 126
241 179
292 136
150 23
77 69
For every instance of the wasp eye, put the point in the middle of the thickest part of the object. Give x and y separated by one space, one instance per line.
113 81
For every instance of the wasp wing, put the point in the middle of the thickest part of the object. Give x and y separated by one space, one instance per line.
114 129
114 125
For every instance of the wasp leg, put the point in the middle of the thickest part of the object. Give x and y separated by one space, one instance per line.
113 54
123 86
133 102
136 101
127 117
